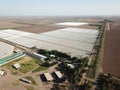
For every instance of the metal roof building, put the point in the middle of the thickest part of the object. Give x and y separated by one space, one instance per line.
16 66
48 76
42 57
58 74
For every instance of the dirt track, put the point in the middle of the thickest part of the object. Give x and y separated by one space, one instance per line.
111 61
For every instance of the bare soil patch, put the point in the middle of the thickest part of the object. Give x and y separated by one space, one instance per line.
39 29
43 24
111 61
4 25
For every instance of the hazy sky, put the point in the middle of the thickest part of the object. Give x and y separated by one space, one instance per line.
59 7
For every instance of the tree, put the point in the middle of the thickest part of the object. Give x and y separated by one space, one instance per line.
106 82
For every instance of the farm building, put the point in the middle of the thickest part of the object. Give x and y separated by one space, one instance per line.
58 74
48 76
5 49
42 57
16 66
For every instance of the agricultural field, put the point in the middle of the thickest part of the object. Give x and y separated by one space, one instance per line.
111 61
42 33
74 41
44 24
39 28
5 25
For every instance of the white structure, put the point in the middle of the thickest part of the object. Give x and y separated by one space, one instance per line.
71 65
52 55
48 76
26 80
42 57
58 74
16 66
5 49
2 73
74 41
71 23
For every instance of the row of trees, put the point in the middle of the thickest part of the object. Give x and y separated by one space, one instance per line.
57 54
106 82
97 48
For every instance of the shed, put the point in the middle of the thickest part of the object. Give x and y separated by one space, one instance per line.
58 74
42 57
16 66
48 76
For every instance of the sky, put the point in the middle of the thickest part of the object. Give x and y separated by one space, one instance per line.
59 7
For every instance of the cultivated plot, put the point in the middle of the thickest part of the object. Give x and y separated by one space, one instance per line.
111 61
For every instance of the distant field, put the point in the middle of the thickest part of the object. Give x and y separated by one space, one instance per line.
39 29
4 25
111 61
43 24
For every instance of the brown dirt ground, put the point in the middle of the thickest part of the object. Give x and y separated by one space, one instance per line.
43 24
111 61
4 25
51 27
39 29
